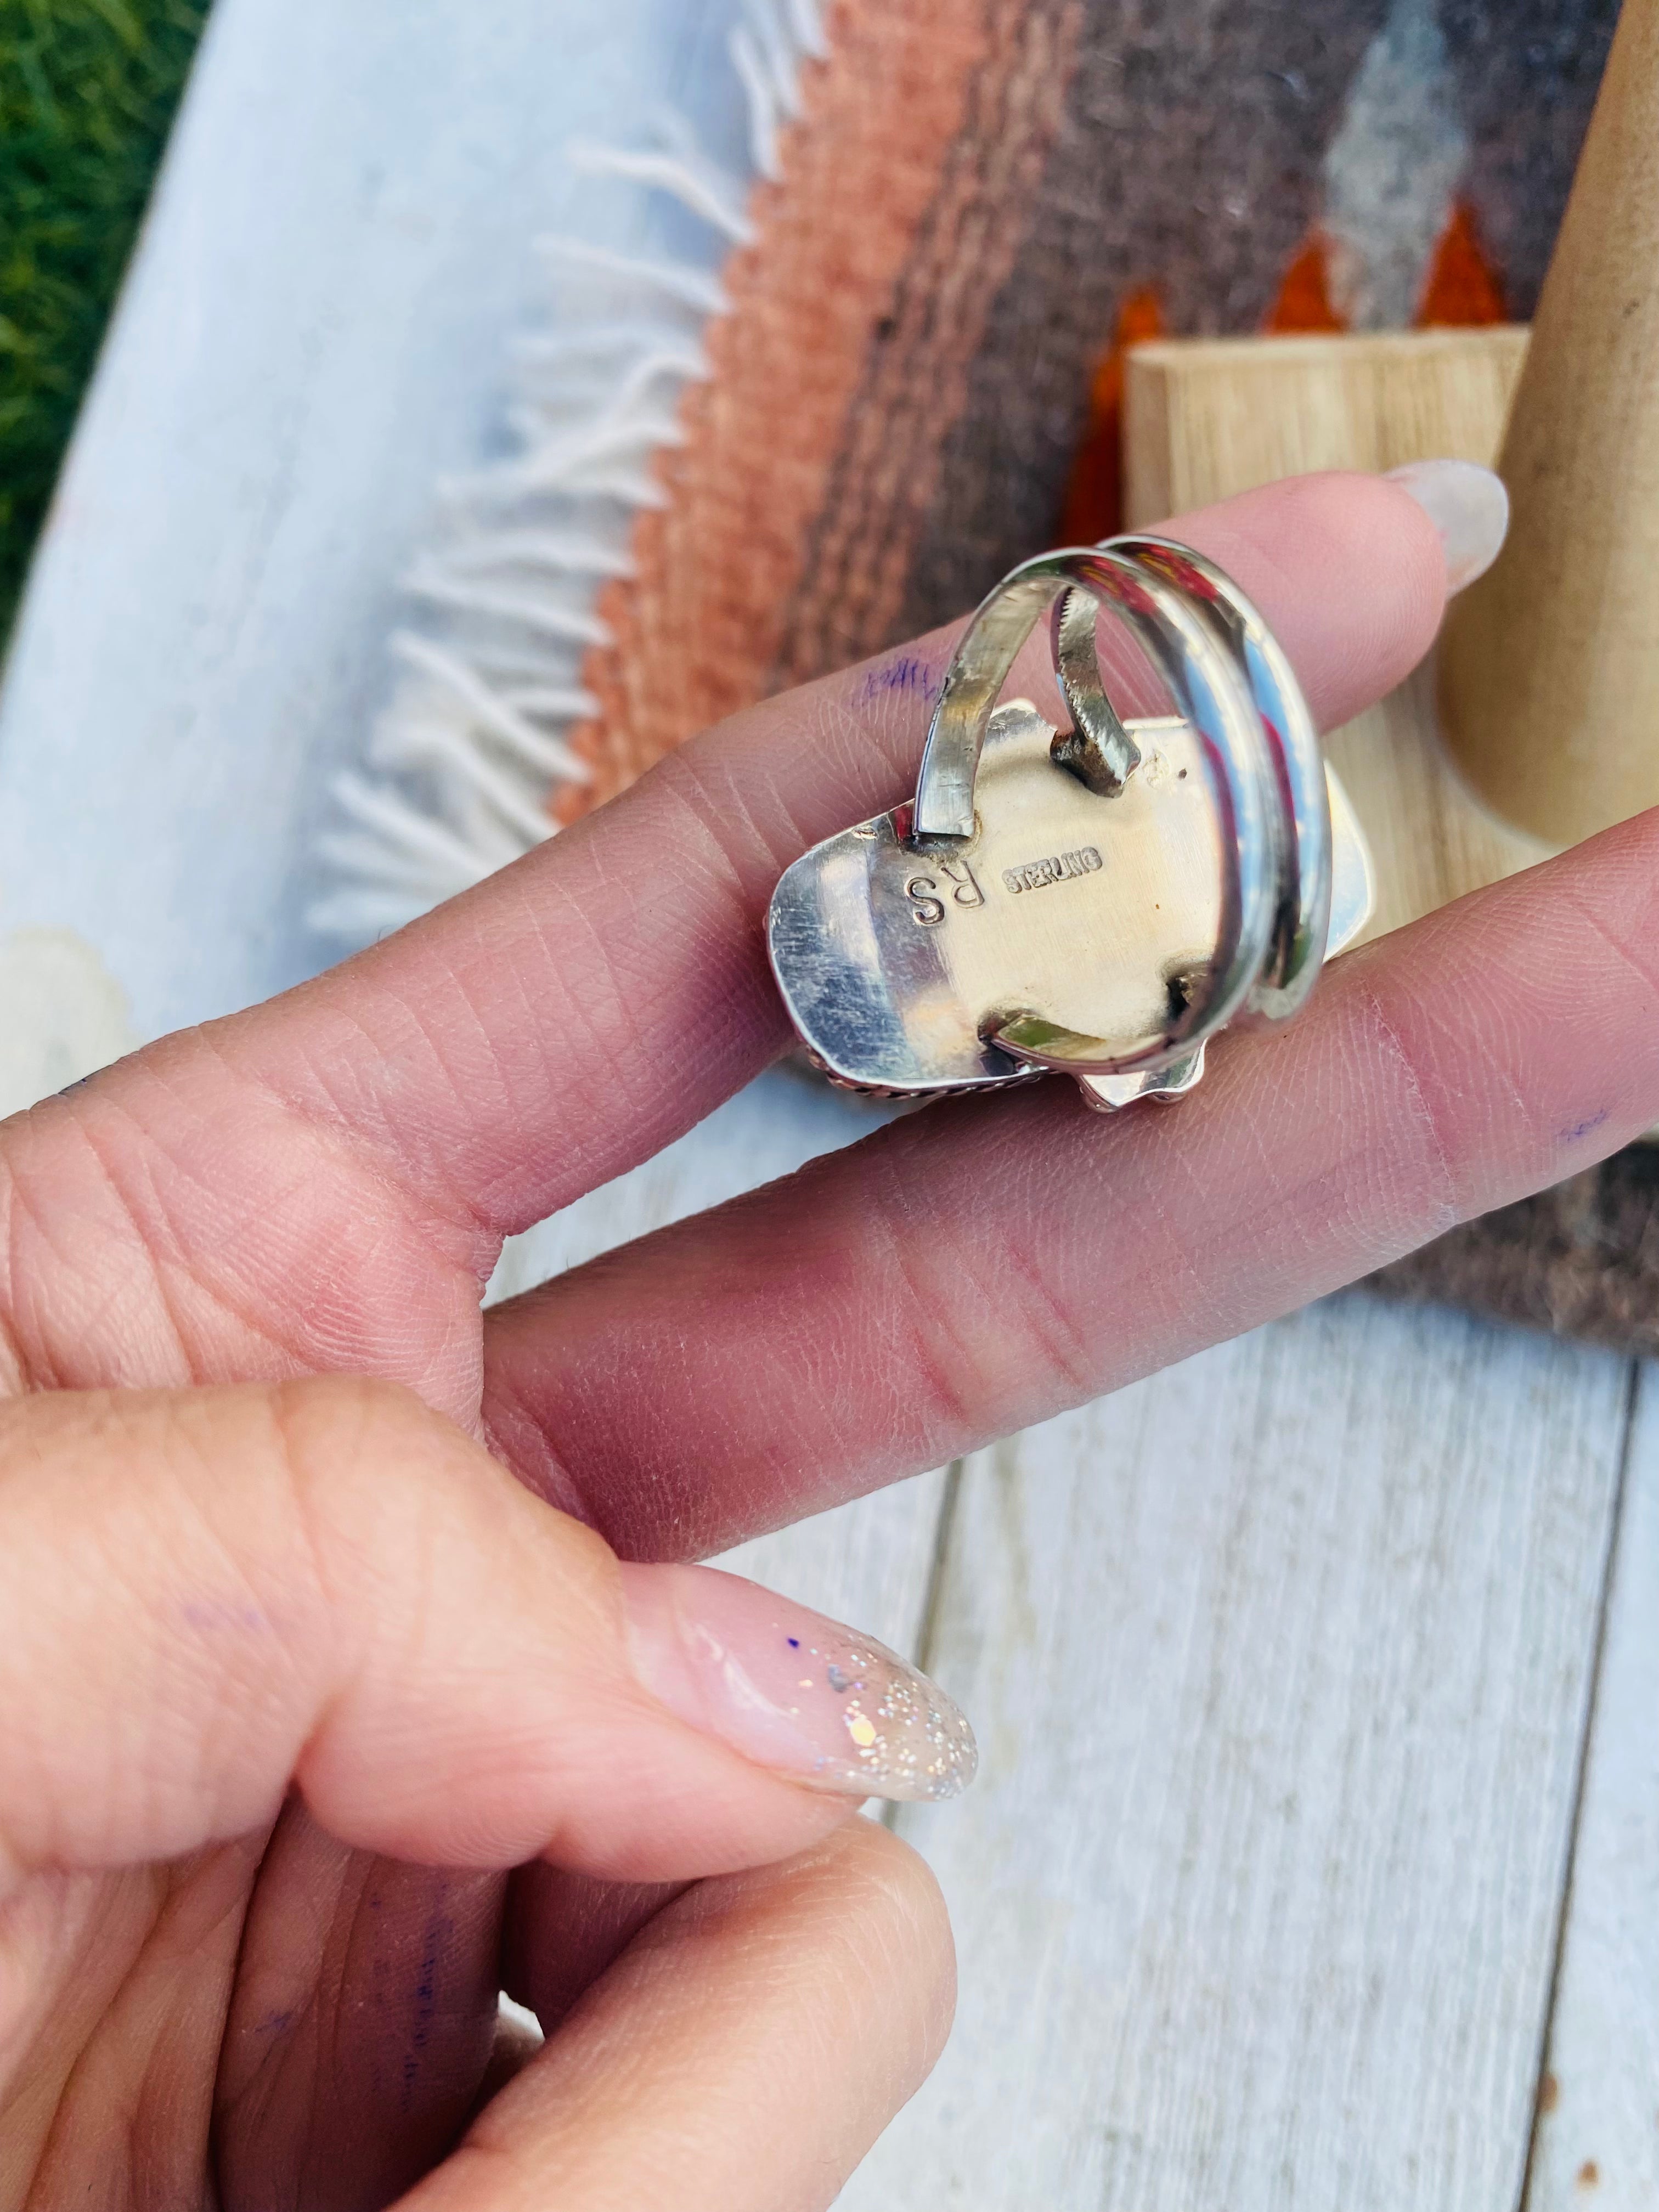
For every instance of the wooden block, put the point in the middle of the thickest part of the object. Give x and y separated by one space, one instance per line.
1204 418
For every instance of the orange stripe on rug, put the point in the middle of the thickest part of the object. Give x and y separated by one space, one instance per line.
697 628
1304 293
1462 287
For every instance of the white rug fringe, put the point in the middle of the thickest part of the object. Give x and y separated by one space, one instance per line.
463 762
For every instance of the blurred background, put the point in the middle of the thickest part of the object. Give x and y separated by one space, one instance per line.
87 91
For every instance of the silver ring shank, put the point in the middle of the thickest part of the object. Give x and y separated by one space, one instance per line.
1212 652
1305 916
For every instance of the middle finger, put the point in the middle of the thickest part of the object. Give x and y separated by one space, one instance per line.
563 1022
981 1265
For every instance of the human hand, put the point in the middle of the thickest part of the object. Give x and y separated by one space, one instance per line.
216 1597
322 1185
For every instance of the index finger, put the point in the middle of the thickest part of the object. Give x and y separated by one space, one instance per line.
574 1014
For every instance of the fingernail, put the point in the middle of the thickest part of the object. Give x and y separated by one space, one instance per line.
1467 505
792 1691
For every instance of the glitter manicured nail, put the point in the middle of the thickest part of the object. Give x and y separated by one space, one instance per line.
792 1691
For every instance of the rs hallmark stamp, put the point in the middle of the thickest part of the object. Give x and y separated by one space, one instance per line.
1057 869
926 894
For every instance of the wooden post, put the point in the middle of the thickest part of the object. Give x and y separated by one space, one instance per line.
1550 664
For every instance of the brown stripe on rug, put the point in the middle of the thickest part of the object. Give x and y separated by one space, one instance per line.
884 484
697 628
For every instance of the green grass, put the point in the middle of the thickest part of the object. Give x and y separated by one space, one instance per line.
87 88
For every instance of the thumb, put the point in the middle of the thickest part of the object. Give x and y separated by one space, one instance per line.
213 1597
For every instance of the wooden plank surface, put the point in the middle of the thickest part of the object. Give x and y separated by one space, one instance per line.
1279 1662
1598 2126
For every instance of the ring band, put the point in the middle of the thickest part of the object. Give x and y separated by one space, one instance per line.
1231 683
880 1008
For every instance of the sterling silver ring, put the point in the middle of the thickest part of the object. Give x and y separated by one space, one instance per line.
1206 859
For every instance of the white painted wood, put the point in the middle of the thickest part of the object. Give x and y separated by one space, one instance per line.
1598 2128
1279 1662
315 330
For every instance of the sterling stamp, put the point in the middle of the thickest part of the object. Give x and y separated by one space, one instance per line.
1035 873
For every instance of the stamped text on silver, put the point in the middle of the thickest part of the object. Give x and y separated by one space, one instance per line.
927 894
1056 869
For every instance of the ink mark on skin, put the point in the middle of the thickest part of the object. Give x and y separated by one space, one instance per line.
903 673
439 1930
1582 1129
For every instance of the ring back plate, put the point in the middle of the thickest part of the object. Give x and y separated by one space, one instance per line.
896 960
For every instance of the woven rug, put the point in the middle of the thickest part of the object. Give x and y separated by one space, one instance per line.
898 371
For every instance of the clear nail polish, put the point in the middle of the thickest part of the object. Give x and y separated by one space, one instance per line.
791 1689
